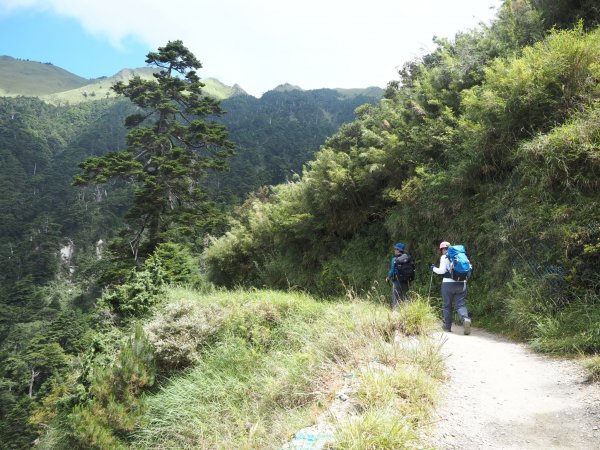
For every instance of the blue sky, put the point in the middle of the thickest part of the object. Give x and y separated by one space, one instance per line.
257 44
47 37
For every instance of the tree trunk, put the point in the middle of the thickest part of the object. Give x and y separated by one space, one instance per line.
34 375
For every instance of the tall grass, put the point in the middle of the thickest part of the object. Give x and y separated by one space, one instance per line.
572 330
551 324
272 369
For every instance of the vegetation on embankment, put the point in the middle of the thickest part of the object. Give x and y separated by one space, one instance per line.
247 369
491 141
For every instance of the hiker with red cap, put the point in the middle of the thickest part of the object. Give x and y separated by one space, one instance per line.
454 285
401 274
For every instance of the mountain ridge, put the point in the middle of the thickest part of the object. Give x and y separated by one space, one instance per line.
55 85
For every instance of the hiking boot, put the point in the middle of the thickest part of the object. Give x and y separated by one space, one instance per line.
446 329
467 325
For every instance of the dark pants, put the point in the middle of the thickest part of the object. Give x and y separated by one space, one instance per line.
399 292
454 292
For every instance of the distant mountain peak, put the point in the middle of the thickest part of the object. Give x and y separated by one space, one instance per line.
287 87
127 74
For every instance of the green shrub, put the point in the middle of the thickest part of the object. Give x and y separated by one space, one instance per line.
139 293
179 267
343 268
408 388
417 317
230 260
525 305
572 330
114 404
179 332
566 159
540 89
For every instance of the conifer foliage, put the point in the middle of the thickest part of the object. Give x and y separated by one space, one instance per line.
170 147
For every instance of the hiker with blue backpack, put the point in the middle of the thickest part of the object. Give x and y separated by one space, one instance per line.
456 268
401 274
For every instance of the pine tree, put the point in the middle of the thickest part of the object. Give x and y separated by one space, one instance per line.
171 145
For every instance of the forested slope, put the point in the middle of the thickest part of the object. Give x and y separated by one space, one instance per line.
41 146
490 141
276 134
41 294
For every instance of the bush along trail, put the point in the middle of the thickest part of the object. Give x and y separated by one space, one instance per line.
499 394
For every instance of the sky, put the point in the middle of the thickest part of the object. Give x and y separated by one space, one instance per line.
257 44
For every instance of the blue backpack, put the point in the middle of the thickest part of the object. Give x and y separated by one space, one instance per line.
460 266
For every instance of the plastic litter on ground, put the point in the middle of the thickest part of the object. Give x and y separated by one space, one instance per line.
308 441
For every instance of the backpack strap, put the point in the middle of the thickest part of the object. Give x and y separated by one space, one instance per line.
448 273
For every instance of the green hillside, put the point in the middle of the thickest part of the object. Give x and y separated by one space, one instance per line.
30 78
40 147
54 249
59 87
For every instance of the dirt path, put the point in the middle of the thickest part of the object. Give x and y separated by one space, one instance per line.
501 395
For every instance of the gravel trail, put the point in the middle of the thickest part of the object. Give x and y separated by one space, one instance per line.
501 395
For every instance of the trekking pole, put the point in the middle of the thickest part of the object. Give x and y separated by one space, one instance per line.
430 281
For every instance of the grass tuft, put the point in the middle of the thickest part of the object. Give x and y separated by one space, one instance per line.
378 429
592 365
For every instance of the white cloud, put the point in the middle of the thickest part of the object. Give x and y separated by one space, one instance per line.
262 43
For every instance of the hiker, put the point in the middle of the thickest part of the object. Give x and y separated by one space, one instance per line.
402 272
453 291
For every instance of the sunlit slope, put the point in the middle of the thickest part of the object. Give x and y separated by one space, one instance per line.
101 88
31 78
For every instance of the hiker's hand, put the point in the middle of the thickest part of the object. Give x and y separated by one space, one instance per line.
431 266
387 280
